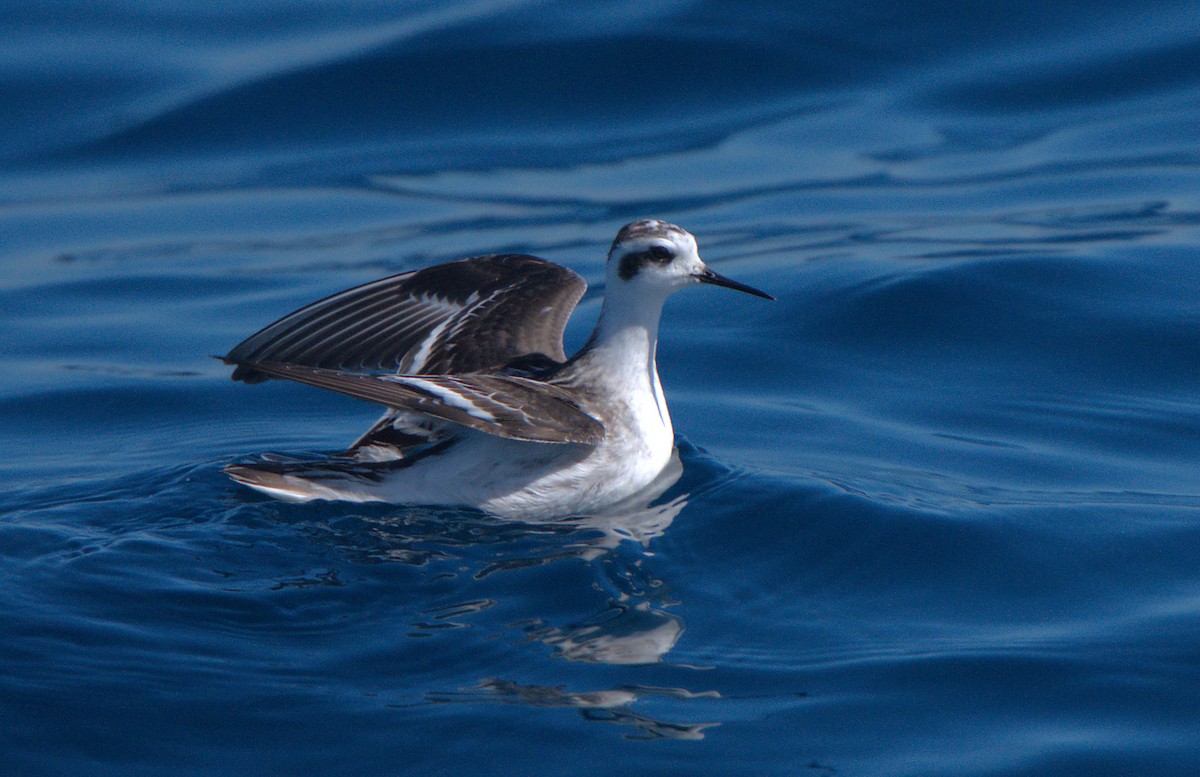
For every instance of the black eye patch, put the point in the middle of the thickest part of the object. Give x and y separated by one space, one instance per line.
631 263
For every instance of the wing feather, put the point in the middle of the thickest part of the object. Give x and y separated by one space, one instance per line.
468 316
504 405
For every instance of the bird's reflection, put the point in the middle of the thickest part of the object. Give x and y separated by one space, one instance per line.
632 627
621 634
606 706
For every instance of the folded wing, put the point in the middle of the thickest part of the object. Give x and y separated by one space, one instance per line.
504 405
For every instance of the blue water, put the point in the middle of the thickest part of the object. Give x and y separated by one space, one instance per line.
939 511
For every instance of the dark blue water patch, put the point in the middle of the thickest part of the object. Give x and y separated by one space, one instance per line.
93 99
1140 74
933 567
909 572
1033 316
608 87
477 60
421 91
1036 745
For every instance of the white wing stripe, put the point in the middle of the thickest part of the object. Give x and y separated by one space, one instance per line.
422 353
450 397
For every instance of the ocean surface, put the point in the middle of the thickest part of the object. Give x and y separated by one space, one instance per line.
939 510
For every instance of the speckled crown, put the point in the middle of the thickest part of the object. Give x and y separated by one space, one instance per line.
646 228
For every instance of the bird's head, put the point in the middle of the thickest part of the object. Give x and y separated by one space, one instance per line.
655 257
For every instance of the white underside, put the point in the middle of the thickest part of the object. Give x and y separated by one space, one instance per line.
508 478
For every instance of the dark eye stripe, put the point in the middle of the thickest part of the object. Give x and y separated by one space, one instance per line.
631 263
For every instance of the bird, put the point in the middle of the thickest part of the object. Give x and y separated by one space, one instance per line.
484 409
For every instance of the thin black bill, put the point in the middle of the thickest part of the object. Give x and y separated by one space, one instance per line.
716 279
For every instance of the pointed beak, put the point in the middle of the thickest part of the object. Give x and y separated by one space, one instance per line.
708 276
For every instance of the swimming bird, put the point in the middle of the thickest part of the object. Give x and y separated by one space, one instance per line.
484 409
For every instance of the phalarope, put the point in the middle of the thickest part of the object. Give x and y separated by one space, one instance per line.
484 408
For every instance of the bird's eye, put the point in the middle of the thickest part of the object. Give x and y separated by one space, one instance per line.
661 253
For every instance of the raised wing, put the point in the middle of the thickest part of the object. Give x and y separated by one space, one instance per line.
472 315
503 405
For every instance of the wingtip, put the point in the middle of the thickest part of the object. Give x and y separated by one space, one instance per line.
242 371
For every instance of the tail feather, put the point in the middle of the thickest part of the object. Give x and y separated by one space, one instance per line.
285 486
303 480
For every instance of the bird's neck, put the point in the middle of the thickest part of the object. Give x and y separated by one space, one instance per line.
626 337
620 356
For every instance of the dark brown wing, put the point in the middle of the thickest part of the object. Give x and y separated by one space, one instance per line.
503 405
472 315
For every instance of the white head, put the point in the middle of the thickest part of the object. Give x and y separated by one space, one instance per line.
658 258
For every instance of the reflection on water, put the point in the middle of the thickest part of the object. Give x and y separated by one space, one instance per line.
607 706
620 634
632 628
449 616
